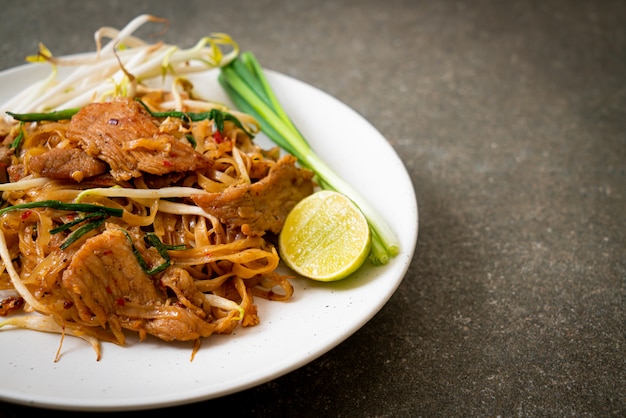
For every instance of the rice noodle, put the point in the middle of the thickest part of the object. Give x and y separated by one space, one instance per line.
212 270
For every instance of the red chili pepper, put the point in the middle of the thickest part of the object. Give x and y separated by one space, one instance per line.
108 289
219 138
120 302
107 252
26 214
167 163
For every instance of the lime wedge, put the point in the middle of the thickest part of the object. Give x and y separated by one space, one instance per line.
326 237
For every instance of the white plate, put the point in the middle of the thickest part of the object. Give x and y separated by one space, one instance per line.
152 373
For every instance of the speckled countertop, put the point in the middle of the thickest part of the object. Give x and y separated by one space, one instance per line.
511 120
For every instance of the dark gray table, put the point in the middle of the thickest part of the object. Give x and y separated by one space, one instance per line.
511 120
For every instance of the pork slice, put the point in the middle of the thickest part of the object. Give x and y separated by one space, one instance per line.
16 172
5 155
66 164
261 207
186 320
106 131
105 282
104 274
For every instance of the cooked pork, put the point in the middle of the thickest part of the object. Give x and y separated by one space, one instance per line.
104 274
124 135
262 206
186 320
66 164
16 172
107 286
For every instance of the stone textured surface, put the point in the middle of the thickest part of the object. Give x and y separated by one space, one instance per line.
511 120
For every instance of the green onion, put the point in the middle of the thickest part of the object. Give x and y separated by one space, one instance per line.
57 204
191 140
74 236
215 115
89 217
153 240
49 116
96 215
244 81
17 142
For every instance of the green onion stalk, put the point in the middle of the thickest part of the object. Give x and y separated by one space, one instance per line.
245 83
95 217
54 116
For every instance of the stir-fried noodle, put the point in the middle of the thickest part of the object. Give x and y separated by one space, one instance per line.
141 210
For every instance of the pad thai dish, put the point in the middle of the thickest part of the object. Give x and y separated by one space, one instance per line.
129 208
